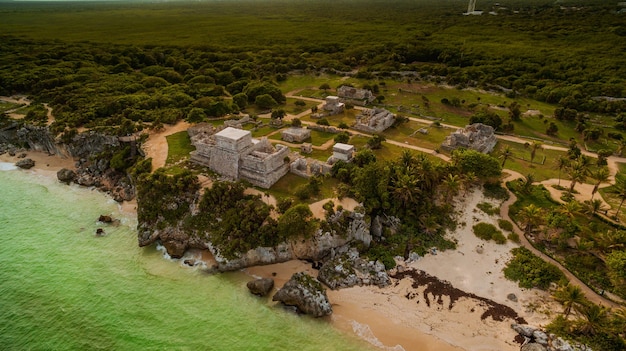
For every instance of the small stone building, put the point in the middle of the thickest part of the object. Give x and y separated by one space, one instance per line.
343 152
374 120
477 136
355 96
234 154
333 105
295 134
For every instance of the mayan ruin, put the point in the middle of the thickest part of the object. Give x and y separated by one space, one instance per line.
375 120
234 154
477 136
355 96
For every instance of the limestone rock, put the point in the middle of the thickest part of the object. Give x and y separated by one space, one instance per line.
105 219
349 270
524 329
306 293
66 175
533 347
540 337
261 286
26 163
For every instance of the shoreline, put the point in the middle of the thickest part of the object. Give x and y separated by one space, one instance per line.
387 318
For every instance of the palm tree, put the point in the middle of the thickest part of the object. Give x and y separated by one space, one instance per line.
570 296
621 146
533 150
594 319
619 189
468 180
601 175
451 183
527 184
405 190
561 162
570 209
505 153
578 171
530 216
593 206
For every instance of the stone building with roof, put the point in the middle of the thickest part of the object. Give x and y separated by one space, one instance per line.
234 154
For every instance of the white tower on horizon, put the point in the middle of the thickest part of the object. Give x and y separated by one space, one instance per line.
471 7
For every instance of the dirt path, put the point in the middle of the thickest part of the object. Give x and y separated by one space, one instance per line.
156 145
504 213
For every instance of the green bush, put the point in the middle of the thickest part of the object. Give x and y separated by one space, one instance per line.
513 237
505 225
488 208
488 231
531 271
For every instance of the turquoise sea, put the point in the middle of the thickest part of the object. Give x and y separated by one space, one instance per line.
64 288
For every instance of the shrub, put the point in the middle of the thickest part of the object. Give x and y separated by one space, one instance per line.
513 237
323 122
488 208
505 225
495 191
488 231
531 271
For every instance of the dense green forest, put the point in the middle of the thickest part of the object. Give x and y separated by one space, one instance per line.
98 68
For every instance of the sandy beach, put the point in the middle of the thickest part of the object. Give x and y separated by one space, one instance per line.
399 317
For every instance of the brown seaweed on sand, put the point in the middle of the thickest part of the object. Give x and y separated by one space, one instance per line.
438 288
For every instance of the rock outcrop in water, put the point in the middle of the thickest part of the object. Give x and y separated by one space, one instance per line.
261 286
305 293
26 163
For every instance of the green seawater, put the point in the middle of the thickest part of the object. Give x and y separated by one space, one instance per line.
64 288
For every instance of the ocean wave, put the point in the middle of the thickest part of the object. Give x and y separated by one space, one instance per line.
364 332
6 166
163 250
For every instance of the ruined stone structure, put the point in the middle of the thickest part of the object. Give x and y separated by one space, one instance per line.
478 136
341 152
306 148
333 105
295 134
234 154
355 96
306 168
374 120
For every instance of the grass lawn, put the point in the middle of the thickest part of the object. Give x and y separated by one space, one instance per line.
263 131
614 201
318 138
291 108
287 186
178 147
5 106
408 133
543 166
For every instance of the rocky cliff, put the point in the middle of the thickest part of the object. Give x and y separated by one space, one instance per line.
92 150
323 246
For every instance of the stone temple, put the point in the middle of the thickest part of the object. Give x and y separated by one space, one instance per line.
477 136
374 120
234 154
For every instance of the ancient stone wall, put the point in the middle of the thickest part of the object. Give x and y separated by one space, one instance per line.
374 120
478 136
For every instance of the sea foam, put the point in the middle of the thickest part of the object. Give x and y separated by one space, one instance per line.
5 166
364 332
